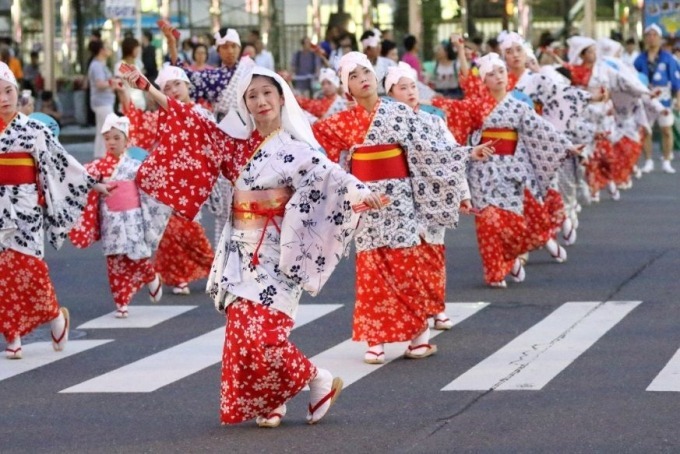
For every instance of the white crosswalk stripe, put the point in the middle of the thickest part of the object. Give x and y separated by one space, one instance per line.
140 317
528 362
346 358
165 367
39 354
535 357
669 377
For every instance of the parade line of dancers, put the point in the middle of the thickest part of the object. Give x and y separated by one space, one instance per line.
378 160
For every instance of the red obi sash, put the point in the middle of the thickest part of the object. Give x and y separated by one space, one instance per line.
124 197
506 140
17 168
256 209
379 162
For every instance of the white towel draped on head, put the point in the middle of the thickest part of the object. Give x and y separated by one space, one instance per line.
371 41
577 44
394 73
239 123
509 40
329 75
607 47
349 63
169 73
231 36
114 121
7 75
488 62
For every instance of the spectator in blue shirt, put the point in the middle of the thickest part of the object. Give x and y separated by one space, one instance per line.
663 72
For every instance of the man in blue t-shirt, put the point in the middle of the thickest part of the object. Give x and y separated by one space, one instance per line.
663 72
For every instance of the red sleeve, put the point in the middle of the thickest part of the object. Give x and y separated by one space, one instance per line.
143 127
183 168
328 133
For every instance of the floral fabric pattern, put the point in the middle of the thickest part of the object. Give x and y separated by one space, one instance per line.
261 368
27 298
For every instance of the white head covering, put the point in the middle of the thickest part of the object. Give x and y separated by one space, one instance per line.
394 73
349 62
530 52
608 47
7 75
231 36
114 121
654 28
371 41
509 40
578 44
168 73
329 75
488 62
239 123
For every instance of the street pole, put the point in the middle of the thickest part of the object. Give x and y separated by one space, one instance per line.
415 19
48 43
589 18
138 19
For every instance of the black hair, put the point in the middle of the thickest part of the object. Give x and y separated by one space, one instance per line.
566 72
96 47
274 82
46 95
128 46
451 53
367 34
409 42
492 42
546 39
148 35
630 41
386 47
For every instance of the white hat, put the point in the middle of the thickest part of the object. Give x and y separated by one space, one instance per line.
329 75
168 73
349 62
114 121
510 39
371 41
488 62
230 36
607 47
394 73
654 28
7 75
239 124
577 44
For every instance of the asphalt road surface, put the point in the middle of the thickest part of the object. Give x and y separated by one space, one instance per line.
582 357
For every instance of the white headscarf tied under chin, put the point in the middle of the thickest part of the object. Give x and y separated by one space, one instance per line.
577 44
239 124
394 73
231 36
488 62
349 63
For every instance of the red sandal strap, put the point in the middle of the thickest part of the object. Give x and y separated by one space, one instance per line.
63 333
313 409
158 289
14 351
416 347
377 355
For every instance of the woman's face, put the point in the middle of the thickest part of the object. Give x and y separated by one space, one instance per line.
115 141
362 82
201 55
263 101
249 50
9 99
406 91
393 54
589 55
229 53
328 89
177 90
439 52
515 57
497 79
